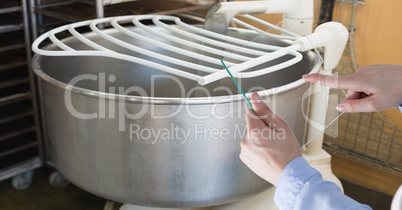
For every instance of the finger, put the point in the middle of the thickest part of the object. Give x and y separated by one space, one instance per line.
254 122
339 82
264 112
260 108
367 104
256 128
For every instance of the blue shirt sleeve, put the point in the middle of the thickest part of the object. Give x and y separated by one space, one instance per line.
301 187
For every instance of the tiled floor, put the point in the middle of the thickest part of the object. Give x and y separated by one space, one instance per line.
41 196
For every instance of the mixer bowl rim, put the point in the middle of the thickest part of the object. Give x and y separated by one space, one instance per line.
166 100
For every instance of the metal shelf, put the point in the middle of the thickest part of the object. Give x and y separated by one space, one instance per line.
20 145
9 6
18 148
14 82
69 12
7 28
10 22
14 94
9 9
19 166
14 112
12 59
11 41
12 77
16 128
14 64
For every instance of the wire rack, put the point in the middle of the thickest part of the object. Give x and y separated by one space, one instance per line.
256 53
366 136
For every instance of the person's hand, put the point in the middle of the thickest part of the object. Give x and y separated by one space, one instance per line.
372 88
269 144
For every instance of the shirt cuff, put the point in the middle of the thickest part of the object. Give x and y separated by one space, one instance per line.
291 182
400 107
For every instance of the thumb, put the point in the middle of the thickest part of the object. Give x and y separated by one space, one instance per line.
367 104
261 109
264 112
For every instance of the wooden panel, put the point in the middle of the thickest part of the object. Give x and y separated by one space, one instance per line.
378 37
363 175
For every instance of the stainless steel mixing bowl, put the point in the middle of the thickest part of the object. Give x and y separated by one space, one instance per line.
113 154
